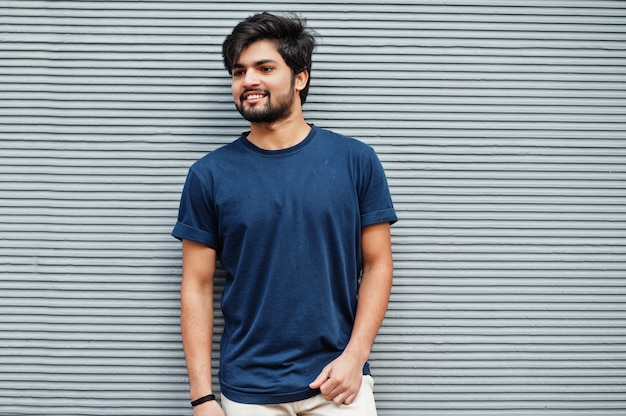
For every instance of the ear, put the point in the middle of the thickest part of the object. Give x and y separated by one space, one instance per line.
301 80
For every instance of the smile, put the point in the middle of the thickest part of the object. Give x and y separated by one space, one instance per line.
253 95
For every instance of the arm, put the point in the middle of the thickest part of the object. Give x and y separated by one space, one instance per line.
340 380
196 321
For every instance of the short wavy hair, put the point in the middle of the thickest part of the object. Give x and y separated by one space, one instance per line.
294 41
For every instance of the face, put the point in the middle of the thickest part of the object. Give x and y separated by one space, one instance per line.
263 86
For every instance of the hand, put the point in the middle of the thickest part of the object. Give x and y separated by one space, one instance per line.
340 380
211 408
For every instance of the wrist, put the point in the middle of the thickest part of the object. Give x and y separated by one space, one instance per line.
358 354
203 399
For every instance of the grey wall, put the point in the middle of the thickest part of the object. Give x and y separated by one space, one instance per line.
502 129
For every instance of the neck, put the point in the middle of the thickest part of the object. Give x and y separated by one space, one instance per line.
280 134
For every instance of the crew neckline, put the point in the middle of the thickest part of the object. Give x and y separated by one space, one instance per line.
280 152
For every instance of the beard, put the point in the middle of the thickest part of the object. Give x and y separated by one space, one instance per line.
269 112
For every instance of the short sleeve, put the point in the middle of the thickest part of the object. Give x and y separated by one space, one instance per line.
375 201
196 213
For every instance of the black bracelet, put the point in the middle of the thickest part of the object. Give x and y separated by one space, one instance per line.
203 399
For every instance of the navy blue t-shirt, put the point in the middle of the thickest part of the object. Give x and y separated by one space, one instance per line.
286 225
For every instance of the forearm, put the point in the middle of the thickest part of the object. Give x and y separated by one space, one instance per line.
371 307
197 332
340 380
374 291
196 315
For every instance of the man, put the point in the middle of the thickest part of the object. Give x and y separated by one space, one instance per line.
299 217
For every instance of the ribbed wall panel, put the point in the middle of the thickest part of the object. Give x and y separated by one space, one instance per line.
502 129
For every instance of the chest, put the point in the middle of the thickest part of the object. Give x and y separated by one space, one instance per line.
267 192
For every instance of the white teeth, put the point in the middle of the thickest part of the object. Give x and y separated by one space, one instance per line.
254 97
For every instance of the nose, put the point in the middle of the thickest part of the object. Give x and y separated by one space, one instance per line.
251 78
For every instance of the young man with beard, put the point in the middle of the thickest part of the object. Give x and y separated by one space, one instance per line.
299 217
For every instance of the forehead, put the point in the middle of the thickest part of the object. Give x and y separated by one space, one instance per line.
259 51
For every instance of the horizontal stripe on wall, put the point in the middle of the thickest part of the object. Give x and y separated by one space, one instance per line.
501 128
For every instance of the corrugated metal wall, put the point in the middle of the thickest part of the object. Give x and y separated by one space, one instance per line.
502 128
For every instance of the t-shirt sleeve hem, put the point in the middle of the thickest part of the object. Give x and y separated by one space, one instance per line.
376 217
185 232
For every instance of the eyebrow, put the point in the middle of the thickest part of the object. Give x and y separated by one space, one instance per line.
257 63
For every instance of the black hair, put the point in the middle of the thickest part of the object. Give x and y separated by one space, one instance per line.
294 41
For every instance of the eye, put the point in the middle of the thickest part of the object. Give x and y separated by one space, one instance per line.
267 69
238 72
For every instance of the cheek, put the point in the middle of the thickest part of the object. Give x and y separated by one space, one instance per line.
235 89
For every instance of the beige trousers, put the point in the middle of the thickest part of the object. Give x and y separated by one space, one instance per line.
363 405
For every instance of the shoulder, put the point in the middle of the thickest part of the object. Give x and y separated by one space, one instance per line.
340 141
215 158
211 168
